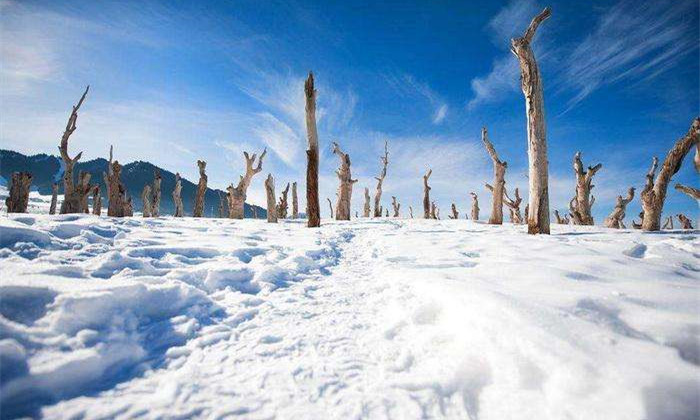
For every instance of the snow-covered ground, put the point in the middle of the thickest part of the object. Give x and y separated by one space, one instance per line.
214 318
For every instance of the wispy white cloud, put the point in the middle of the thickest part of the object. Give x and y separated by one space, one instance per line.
407 86
440 114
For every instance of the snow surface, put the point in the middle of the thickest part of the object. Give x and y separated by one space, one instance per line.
215 318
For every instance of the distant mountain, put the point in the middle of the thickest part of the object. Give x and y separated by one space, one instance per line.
47 169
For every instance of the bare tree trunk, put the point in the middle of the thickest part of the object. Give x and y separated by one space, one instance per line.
295 202
426 195
387 212
237 195
18 200
177 197
146 198
155 199
475 206
83 190
366 209
582 202
499 173
614 220
669 223
380 180
531 83
346 183
270 194
396 206
313 210
561 220
71 201
255 211
128 207
330 207
455 213
514 206
96 200
118 205
685 222
222 207
433 213
690 191
653 196
410 211
201 190
282 207
106 175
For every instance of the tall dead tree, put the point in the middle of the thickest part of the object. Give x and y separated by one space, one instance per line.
96 200
295 202
71 200
366 209
282 207
426 194
18 200
313 210
380 180
455 213
177 197
345 187
475 206
514 206
396 206
615 219
499 182
237 195
146 199
561 220
270 195
410 211
582 202
118 205
201 190
690 191
654 193
684 221
54 198
155 191
531 84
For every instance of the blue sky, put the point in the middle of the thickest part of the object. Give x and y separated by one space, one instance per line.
173 82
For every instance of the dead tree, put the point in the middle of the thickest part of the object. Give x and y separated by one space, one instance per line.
380 180
155 190
82 191
685 222
690 191
455 213
71 200
387 212
54 198
283 205
255 212
222 207
106 175
313 210
433 211
669 223
345 187
366 209
499 182
96 200
426 195
201 190
128 208
330 206
18 200
561 220
410 211
118 203
615 219
475 206
146 198
531 84
654 193
177 197
582 202
514 206
295 202
396 206
270 194
356 215
237 195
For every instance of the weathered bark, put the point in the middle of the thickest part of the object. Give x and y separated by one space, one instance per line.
96 200
614 220
18 200
71 201
237 195
330 207
690 191
295 202
201 190
433 211
653 196
685 222
313 210
475 206
499 173
117 205
283 205
561 220
54 198
345 187
177 197
396 206
426 195
410 211
155 194
514 206
531 84
270 195
582 202
380 180
366 209
455 213
669 223
146 198
82 191
128 207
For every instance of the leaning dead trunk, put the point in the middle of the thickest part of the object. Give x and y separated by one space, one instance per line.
455 213
475 206
366 209
282 207
270 194
54 198
582 202
313 210
499 173
155 198
514 206
177 197
96 201
654 195
685 222
614 220
237 195
426 195
380 181
295 202
201 190
345 186
396 206
690 191
18 200
71 200
146 199
531 84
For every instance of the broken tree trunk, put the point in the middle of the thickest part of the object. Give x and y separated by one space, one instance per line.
455 213
96 200
128 208
410 211
614 220
396 206
54 198
531 84
387 212
313 210
18 200
690 191
295 202
201 190
255 211
514 205
380 180
106 175
561 220
282 207
653 196
345 187
117 206
685 222
582 202
83 190
71 201
270 194
475 206
146 198
366 209
237 195
669 223
433 213
426 195
330 207
155 191
177 197
499 173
